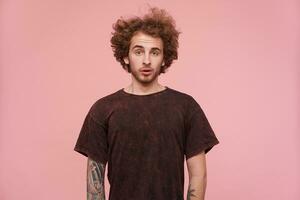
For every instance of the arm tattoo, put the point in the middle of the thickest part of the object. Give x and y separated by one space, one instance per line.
95 180
190 193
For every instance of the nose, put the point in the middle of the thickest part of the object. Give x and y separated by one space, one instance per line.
146 60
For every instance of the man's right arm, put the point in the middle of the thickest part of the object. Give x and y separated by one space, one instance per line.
95 180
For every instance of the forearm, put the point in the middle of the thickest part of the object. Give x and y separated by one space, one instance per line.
197 187
95 180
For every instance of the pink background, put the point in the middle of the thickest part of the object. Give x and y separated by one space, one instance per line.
239 59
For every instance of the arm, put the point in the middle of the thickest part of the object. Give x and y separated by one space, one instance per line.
197 177
95 180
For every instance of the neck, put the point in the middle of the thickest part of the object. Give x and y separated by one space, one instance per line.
144 89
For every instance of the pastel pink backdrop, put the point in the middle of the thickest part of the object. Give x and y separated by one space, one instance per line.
239 59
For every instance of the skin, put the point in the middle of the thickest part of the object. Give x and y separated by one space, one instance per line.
145 51
197 176
95 180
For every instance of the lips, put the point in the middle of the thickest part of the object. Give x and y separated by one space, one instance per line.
146 69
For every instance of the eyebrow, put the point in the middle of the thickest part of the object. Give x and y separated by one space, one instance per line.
139 46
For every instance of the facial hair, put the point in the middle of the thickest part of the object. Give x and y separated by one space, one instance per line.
145 79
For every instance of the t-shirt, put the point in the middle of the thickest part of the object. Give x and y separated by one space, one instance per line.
144 139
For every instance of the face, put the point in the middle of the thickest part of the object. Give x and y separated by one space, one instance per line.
145 57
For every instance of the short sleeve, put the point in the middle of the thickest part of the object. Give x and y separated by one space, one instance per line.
199 134
92 140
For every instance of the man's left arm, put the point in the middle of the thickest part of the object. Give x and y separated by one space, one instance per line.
197 177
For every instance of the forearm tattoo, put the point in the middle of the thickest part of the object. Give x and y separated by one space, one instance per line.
95 180
190 193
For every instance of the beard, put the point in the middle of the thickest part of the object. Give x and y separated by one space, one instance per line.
145 80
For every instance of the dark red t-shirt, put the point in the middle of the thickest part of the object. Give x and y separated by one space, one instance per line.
144 139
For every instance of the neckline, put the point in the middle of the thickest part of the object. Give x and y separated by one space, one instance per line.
145 95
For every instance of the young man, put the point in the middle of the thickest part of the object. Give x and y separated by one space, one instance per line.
144 130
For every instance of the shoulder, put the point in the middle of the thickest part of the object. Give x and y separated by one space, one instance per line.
179 94
107 99
184 102
185 98
103 106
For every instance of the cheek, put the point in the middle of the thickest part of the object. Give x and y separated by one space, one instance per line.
135 59
158 59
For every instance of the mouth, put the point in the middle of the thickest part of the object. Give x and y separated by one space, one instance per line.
146 71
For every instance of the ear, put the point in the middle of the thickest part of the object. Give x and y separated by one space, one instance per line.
163 63
126 60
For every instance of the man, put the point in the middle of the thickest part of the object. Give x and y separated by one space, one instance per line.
144 130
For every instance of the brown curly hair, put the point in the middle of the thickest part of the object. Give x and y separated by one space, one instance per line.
157 23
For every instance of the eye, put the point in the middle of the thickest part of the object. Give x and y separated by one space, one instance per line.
155 53
138 52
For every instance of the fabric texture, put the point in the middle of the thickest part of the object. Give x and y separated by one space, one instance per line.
144 139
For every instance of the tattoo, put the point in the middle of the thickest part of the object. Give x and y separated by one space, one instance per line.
95 180
190 193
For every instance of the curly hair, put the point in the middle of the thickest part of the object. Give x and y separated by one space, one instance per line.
157 23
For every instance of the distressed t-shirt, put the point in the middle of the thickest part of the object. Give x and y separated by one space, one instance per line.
144 139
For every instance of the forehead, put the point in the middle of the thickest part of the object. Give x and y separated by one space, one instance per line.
146 41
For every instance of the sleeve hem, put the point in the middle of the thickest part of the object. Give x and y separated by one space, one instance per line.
206 147
84 151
